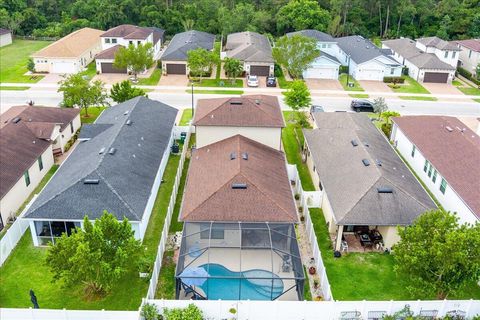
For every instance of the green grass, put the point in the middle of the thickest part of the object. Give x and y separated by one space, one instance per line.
25 268
307 294
470 91
14 59
359 95
186 117
91 70
282 82
410 86
222 83
476 100
236 92
14 88
152 80
343 81
457 83
93 113
418 98
218 69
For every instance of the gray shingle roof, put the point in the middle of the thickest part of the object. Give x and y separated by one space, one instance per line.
318 35
329 56
249 46
186 41
125 178
351 187
438 43
360 49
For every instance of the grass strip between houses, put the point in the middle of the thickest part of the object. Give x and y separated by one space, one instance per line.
199 91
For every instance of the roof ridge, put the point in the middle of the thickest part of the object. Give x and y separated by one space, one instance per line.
407 193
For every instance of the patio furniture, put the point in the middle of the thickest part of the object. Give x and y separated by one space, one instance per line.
344 246
375 236
457 314
350 315
376 315
365 241
187 289
428 314
286 263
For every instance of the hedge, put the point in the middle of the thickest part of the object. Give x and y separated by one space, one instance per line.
343 69
393 79
468 75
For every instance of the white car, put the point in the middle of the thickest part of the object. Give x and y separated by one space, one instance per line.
252 81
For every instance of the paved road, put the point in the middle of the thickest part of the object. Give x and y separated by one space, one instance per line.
183 100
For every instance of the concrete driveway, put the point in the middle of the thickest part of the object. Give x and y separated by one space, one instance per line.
441 88
174 80
262 82
374 86
323 84
51 78
111 78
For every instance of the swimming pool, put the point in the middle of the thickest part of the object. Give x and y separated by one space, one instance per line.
253 284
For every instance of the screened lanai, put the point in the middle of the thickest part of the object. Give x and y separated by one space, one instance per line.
239 261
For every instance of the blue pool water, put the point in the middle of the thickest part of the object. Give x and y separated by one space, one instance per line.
244 285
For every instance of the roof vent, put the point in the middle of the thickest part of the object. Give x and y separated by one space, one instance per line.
129 122
354 143
385 190
16 120
449 129
366 144
233 156
112 151
91 181
257 102
378 162
125 113
101 151
366 163
245 156
236 103
239 186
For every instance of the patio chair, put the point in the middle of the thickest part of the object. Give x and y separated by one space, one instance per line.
376 315
428 314
187 289
350 315
344 246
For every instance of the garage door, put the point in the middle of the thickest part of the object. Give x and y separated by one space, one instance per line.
173 68
369 75
321 73
107 67
63 67
436 77
260 70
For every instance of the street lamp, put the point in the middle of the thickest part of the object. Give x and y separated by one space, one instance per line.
192 98
348 72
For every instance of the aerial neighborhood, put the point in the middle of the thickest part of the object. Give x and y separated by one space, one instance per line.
218 160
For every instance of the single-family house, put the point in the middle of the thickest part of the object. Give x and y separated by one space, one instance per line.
365 60
326 66
5 37
117 166
365 185
445 154
70 54
469 57
257 117
253 50
29 137
174 58
123 36
238 240
427 60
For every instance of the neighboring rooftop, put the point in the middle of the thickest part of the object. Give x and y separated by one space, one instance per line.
249 46
131 32
183 42
4 31
361 49
72 45
438 43
406 48
352 175
452 148
121 158
472 44
315 34
238 179
108 53
25 134
244 111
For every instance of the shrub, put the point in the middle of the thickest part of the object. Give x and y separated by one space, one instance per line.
468 75
192 312
343 69
278 71
405 71
31 65
149 312
387 129
394 80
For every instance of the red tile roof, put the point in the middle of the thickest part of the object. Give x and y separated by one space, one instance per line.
452 148
209 195
246 111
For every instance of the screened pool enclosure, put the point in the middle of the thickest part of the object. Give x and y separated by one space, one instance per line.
239 261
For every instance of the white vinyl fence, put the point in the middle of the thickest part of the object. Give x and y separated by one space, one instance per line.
166 226
311 310
48 314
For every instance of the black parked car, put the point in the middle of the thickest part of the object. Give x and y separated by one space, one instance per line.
271 82
362 106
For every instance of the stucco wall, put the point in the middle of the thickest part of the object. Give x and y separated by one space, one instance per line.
5 39
469 61
390 235
206 135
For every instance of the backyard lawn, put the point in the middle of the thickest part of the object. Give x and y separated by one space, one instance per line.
14 59
152 80
343 81
410 86
93 113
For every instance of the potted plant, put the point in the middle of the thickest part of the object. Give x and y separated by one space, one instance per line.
300 209
318 298
312 270
297 196
233 311
302 218
315 283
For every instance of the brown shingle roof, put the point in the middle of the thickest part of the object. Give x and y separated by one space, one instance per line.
127 31
246 111
23 142
108 53
72 45
473 44
209 195
455 154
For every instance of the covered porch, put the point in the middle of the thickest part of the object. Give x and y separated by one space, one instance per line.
358 238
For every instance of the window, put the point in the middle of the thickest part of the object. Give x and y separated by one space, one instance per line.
413 151
71 127
329 45
446 54
453 54
392 71
434 178
130 42
320 186
313 168
443 186
40 163
425 166
139 42
107 40
27 178
470 54
324 45
114 40
430 169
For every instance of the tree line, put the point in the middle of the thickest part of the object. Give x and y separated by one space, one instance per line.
449 19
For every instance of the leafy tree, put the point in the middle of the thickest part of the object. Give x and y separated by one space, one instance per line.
192 312
11 20
296 53
302 14
200 61
379 106
233 68
445 25
124 91
31 65
437 255
298 96
474 31
478 71
387 115
96 256
79 92
135 58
